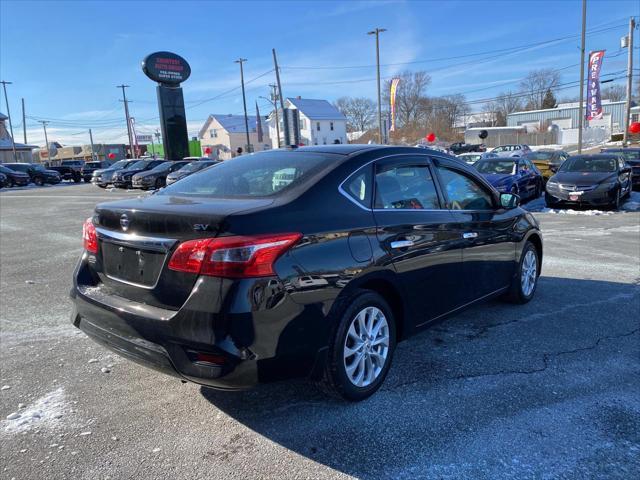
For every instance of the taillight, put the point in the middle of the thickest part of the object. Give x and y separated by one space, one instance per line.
232 257
89 236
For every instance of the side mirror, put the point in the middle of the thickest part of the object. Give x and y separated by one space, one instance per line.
509 200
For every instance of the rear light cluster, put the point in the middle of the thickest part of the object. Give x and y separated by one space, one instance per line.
89 236
232 257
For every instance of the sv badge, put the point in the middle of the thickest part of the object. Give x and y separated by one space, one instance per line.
201 227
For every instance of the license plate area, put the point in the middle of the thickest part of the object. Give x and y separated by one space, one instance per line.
136 266
575 196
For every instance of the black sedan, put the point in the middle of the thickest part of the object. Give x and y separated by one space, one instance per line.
306 262
632 157
104 176
123 178
15 178
590 180
157 176
37 173
189 169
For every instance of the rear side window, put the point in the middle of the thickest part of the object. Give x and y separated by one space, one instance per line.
464 193
406 187
359 187
257 175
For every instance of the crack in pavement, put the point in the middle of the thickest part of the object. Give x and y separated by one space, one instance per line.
545 363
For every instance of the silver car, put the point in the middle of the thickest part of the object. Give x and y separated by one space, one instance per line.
514 150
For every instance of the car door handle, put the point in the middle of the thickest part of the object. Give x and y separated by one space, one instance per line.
402 244
469 235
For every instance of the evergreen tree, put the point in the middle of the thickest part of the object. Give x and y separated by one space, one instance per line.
549 100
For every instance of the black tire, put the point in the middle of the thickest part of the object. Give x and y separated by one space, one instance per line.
516 294
335 379
12 182
38 181
549 201
615 205
77 179
159 183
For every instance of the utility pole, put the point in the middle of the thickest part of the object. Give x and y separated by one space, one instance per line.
24 123
273 100
93 155
126 114
46 139
285 119
581 114
153 147
377 33
627 110
244 102
6 99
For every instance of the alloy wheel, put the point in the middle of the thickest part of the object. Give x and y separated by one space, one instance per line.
528 275
366 346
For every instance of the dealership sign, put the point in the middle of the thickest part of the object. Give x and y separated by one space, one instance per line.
144 138
594 103
166 67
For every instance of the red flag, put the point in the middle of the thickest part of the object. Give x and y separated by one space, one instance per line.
258 123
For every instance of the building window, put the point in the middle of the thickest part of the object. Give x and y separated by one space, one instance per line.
318 126
213 133
302 124
331 126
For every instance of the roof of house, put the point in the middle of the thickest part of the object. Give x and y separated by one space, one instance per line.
317 109
3 116
232 123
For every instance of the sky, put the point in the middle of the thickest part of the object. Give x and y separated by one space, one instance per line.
65 58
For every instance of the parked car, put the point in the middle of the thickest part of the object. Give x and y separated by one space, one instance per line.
15 178
517 150
4 181
68 173
37 173
122 178
190 168
547 161
89 167
462 147
157 176
207 279
76 166
596 180
103 176
514 175
632 157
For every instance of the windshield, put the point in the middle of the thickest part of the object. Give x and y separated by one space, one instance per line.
195 166
627 154
71 163
503 167
139 165
119 164
40 168
4 169
162 167
258 175
540 156
589 164
93 164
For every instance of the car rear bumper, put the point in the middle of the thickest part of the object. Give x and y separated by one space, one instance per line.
247 343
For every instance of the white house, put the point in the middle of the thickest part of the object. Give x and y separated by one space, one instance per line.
317 121
224 134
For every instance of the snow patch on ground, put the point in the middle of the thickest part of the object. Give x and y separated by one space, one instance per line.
47 411
633 203
576 212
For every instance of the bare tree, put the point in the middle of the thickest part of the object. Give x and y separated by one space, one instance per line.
409 97
615 93
360 112
501 106
536 84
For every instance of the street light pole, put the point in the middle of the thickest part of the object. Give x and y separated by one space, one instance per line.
126 114
244 102
627 110
6 99
377 33
581 113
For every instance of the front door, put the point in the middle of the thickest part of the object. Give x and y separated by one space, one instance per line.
414 229
487 231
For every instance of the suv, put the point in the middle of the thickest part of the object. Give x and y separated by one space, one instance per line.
37 173
462 147
89 167
70 170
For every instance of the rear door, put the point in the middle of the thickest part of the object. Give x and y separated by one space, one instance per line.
485 230
415 230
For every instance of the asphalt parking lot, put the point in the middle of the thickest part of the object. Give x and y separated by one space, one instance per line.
546 390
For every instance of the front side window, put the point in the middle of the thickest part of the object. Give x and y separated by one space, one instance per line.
464 193
406 187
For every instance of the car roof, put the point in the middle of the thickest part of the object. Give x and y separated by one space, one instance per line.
620 150
602 156
340 149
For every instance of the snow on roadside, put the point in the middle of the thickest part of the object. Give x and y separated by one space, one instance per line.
47 411
632 204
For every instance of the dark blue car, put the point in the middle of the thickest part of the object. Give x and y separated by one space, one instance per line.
512 175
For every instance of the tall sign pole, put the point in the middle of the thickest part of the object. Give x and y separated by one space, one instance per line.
6 100
581 109
126 114
285 117
170 70
377 33
627 110
24 123
244 103
93 154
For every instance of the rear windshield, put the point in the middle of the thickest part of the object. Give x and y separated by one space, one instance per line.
19 167
589 164
540 156
258 175
496 166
